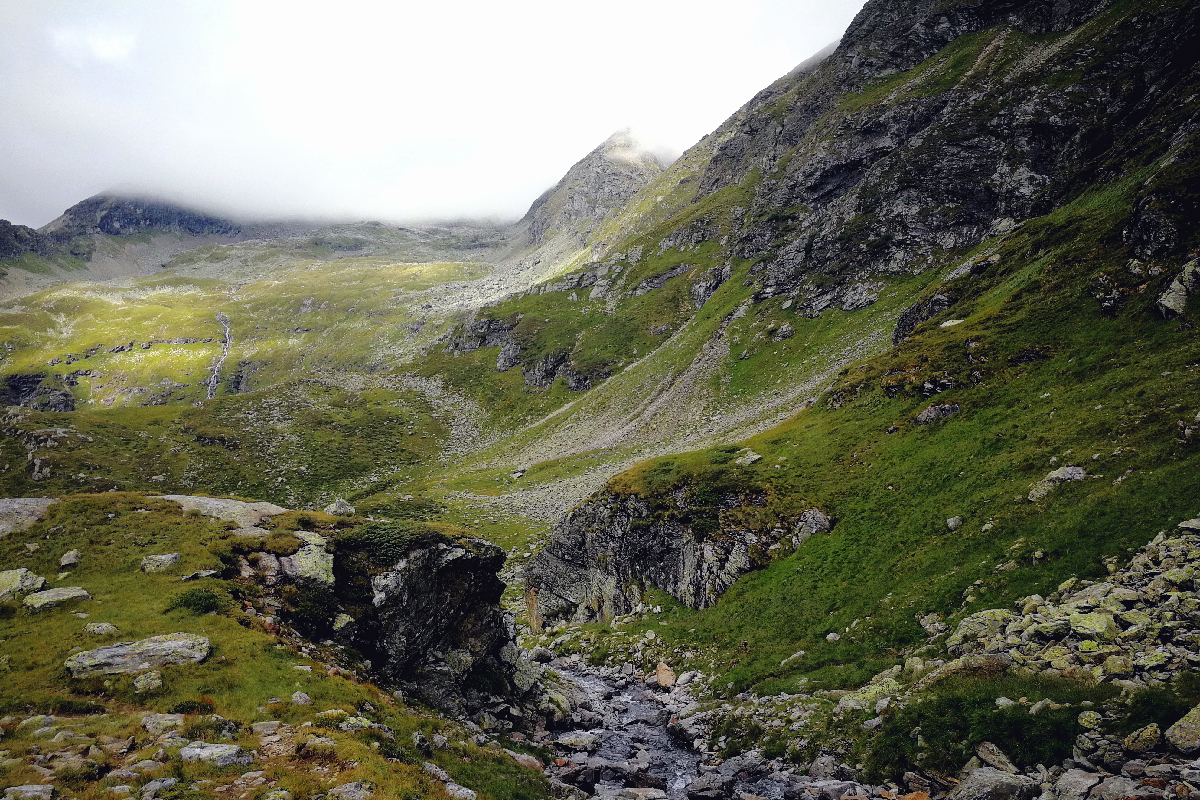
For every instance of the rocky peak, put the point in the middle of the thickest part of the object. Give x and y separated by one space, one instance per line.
598 185
124 216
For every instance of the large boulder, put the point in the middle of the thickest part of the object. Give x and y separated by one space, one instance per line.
239 512
976 628
988 783
1054 478
55 597
128 657
16 582
1184 735
220 755
18 513
310 562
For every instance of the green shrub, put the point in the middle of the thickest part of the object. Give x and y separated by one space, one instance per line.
201 601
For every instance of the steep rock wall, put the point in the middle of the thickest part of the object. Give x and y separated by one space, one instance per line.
608 550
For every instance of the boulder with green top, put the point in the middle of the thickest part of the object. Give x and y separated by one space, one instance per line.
16 582
132 657
978 626
55 597
1143 739
1184 735
1096 625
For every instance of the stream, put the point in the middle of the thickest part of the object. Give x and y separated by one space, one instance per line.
622 747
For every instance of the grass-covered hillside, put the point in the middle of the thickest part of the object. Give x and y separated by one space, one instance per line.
311 720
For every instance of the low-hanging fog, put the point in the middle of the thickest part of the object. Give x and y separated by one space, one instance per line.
367 110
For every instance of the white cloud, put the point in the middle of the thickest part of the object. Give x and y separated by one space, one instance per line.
77 45
382 110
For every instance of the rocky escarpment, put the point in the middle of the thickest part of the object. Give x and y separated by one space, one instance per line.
126 216
692 545
934 126
421 609
16 240
597 186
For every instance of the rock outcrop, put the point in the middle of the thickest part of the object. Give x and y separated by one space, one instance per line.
604 554
18 513
422 609
595 187
130 657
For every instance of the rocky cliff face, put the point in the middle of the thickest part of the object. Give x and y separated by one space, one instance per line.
601 183
934 126
16 240
124 216
607 551
421 609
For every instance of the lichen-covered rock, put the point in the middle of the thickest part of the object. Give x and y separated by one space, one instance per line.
35 791
989 783
1053 479
239 512
979 625
936 412
18 513
100 628
70 558
352 791
1143 739
220 755
159 563
340 508
157 723
126 657
50 598
1184 735
148 682
310 562
16 582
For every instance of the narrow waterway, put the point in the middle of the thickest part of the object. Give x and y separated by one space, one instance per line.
623 747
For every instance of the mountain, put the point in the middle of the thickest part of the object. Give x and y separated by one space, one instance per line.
852 453
595 187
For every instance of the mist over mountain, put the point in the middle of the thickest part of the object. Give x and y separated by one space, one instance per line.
851 454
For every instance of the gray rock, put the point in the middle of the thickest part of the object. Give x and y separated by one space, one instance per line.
16 582
152 788
352 791
1115 788
1053 479
201 573
1074 784
301 699
340 508
1184 735
157 723
954 523
239 512
937 411
747 458
50 598
579 741
148 682
18 513
993 756
989 783
460 792
126 657
159 563
713 786
100 628
69 558
222 755
30 792
310 562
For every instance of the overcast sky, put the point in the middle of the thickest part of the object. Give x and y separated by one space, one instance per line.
388 111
